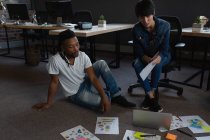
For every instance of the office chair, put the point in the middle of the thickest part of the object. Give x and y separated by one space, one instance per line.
82 16
37 34
59 8
175 38
208 82
85 16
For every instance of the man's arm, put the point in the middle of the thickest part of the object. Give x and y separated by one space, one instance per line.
51 93
94 80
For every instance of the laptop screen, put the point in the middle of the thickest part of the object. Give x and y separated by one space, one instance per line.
151 119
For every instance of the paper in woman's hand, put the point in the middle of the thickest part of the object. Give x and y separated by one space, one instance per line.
146 71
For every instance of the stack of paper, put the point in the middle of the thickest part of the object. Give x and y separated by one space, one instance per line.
107 125
78 133
203 138
135 135
196 124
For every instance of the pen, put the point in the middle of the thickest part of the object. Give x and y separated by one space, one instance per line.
184 133
147 135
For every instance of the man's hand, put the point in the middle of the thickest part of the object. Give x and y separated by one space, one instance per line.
41 106
106 105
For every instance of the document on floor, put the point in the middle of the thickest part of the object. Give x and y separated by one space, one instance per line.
135 135
203 138
107 125
78 133
175 124
196 124
146 71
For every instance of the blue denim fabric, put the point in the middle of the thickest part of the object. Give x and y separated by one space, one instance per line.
141 39
88 96
162 35
155 73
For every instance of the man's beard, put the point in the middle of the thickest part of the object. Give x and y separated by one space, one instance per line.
72 55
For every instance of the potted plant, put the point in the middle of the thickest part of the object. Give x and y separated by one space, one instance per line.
199 23
101 21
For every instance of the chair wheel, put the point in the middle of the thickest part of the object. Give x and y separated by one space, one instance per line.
180 91
130 90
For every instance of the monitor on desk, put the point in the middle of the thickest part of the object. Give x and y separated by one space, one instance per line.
59 9
18 12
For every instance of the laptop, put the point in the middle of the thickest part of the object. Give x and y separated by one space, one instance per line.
151 119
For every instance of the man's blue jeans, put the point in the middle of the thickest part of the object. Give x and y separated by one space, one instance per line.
88 96
155 73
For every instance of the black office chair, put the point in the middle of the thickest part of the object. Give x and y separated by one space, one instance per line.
175 38
38 34
82 16
208 82
55 9
85 16
59 8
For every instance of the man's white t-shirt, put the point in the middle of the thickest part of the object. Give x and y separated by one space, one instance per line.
70 76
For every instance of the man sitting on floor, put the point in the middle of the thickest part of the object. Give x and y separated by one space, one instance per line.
79 78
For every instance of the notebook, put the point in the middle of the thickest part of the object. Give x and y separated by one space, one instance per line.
151 119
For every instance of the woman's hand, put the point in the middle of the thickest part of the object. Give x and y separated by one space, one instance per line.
146 59
156 60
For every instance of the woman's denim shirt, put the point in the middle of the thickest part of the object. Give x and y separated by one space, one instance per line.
141 38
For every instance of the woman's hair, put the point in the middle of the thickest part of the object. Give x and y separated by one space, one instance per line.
144 8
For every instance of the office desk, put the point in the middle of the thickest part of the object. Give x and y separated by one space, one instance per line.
32 26
203 34
26 27
55 30
188 32
98 31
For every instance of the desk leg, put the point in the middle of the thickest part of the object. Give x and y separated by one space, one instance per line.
43 48
8 48
45 41
92 49
26 44
203 65
208 82
117 52
200 72
117 49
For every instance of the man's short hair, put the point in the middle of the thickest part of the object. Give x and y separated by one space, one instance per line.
67 34
144 8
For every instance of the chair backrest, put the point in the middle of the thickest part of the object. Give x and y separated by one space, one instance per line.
41 17
18 12
82 16
176 29
62 8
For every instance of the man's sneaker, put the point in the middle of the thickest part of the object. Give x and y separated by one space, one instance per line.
120 100
146 103
156 108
